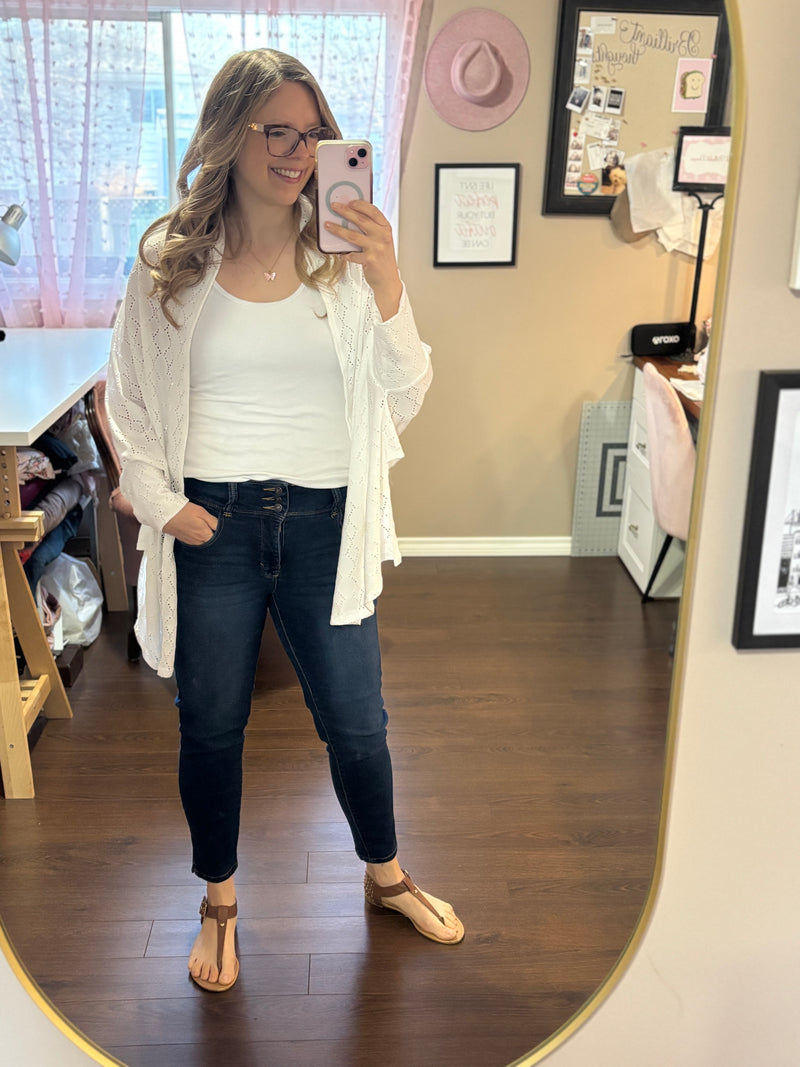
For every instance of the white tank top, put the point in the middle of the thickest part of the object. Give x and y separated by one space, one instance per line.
266 396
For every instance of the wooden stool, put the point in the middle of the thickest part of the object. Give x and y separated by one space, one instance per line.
21 701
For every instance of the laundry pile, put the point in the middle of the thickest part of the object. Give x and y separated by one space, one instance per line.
56 477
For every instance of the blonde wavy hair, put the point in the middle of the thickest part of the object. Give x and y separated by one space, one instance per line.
207 209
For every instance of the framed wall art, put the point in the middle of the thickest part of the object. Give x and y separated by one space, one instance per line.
768 596
475 214
702 156
626 77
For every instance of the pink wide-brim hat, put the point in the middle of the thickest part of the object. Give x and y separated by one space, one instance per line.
477 69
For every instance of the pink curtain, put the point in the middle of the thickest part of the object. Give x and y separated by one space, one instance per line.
72 94
70 116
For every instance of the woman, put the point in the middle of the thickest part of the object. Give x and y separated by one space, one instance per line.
256 390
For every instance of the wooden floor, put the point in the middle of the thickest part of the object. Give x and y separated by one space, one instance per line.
528 703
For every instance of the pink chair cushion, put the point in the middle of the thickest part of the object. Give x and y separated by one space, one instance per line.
671 453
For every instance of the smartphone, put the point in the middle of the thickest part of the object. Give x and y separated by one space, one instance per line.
344 173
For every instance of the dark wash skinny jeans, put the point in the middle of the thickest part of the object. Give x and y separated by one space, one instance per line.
275 549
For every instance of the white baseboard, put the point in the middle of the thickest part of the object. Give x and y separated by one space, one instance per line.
485 546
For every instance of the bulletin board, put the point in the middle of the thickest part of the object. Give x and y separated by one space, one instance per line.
625 80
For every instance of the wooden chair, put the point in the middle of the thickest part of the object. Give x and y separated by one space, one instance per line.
127 523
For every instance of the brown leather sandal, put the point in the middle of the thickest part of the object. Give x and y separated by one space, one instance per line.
220 913
377 894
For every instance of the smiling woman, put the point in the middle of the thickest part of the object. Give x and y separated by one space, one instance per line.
261 479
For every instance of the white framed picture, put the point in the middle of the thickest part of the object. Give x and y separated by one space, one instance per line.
768 597
475 214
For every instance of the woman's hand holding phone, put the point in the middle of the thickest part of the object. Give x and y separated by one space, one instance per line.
377 255
348 223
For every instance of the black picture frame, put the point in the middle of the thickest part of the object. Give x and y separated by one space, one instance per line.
487 217
555 201
767 613
687 135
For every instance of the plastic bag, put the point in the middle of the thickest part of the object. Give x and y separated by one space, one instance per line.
75 587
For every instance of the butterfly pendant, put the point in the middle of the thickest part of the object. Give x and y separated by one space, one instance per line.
269 275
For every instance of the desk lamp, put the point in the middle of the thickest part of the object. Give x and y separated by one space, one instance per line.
9 234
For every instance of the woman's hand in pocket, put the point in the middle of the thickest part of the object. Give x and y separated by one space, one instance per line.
193 525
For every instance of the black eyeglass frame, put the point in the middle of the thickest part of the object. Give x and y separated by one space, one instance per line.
326 133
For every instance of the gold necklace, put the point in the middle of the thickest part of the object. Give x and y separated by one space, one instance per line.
270 275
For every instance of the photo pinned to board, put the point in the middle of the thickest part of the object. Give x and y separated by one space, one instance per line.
585 42
614 178
692 85
597 99
575 153
604 155
616 101
583 70
596 126
613 134
578 99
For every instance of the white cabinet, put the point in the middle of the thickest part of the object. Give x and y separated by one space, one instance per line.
640 536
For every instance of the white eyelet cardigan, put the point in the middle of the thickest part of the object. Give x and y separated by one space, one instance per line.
386 370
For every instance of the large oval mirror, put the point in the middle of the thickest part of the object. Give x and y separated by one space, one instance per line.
528 689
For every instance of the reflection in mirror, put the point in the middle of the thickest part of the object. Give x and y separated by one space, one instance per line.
528 702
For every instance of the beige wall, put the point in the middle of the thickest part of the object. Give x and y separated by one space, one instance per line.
516 350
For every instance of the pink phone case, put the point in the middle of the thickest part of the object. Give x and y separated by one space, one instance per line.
344 173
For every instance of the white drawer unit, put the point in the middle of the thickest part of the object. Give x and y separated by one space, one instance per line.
640 536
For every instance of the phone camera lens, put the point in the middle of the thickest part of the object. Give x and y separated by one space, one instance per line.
353 162
362 152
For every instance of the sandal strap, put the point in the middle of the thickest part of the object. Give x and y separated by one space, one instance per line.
220 913
406 886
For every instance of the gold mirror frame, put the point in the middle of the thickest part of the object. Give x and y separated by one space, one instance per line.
557 1039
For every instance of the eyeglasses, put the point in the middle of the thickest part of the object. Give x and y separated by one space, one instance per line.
283 140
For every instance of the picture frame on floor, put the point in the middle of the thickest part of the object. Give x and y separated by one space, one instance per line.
768 597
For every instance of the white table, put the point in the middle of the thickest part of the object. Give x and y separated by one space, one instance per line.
42 374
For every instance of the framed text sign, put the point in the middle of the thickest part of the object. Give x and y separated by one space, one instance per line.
702 157
475 215
626 78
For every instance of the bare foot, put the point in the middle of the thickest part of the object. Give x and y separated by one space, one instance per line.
385 874
203 956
